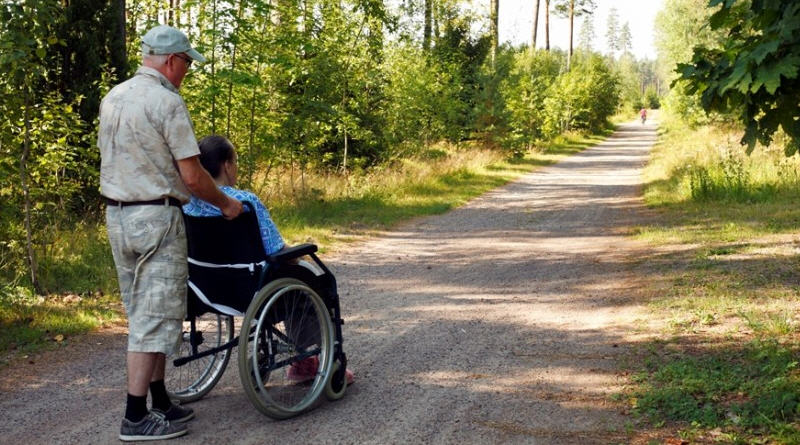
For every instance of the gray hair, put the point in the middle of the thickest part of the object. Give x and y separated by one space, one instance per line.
154 60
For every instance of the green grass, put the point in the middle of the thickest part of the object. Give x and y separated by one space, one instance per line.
724 290
328 209
30 323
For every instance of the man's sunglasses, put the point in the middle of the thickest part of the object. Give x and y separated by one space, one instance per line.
188 60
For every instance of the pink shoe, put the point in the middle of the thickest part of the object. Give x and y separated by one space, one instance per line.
304 370
349 376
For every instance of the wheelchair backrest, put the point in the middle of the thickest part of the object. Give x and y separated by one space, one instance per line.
218 240
226 262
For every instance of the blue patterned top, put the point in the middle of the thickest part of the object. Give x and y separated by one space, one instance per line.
269 233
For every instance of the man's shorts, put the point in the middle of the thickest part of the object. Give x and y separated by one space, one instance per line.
149 247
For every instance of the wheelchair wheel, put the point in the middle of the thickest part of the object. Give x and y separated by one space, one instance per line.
285 349
193 380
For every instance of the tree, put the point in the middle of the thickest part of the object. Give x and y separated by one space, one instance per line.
612 31
494 8
40 133
625 39
547 25
680 26
587 35
535 24
428 29
570 9
754 75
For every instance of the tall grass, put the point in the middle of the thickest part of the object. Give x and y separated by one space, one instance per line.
724 287
711 165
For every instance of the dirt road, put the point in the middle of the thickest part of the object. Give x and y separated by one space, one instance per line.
499 322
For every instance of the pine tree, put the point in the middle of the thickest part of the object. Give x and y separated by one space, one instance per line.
612 32
587 34
625 40
535 24
571 9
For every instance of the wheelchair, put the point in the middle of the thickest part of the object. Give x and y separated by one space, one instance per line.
291 313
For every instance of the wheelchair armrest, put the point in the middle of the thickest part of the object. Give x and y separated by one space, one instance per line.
290 253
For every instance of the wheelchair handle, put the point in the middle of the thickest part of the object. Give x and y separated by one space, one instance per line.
249 205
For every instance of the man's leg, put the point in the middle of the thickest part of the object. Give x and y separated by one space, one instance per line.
160 398
158 391
140 371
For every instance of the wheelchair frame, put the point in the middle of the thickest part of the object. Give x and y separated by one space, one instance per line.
267 331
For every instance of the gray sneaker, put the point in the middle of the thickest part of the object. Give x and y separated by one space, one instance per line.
176 413
153 427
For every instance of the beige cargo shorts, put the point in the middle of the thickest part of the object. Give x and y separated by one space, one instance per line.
149 247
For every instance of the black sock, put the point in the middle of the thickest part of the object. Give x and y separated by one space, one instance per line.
136 408
161 400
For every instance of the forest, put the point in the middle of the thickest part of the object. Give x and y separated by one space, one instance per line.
301 87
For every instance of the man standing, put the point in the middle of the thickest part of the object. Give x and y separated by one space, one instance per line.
149 167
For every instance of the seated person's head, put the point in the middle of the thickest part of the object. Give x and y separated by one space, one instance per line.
218 156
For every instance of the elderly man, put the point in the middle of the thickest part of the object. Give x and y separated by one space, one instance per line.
149 167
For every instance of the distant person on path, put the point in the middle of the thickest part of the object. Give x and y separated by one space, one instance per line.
218 156
643 114
149 165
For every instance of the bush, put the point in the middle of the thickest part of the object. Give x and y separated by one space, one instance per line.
525 90
583 98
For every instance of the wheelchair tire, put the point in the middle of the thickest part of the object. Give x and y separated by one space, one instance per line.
337 384
193 380
287 322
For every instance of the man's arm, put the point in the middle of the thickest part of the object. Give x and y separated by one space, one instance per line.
200 183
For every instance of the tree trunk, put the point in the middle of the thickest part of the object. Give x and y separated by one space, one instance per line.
344 162
233 68
547 25
118 47
254 103
535 25
426 37
213 68
26 195
494 7
435 24
571 28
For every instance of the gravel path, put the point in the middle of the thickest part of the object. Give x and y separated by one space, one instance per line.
498 322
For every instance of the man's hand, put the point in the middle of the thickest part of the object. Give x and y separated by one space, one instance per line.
200 183
232 208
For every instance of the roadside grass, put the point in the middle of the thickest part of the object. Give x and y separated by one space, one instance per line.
725 291
328 209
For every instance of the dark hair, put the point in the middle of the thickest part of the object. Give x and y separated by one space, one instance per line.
214 151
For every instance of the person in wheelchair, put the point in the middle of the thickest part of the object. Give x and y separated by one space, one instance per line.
218 156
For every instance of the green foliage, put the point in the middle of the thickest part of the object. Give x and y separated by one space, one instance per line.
47 166
525 91
583 98
651 99
562 7
680 26
754 74
423 100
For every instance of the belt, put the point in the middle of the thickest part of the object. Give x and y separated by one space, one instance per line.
168 201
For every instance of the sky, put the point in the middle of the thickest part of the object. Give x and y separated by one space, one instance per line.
516 21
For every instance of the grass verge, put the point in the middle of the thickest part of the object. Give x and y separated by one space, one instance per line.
725 291
328 209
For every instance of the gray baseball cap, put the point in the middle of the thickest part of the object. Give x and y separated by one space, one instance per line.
165 39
